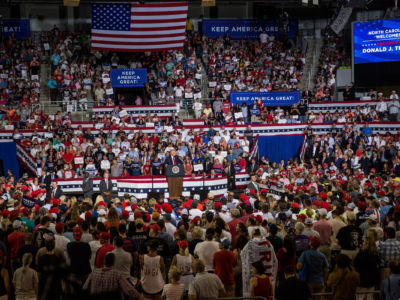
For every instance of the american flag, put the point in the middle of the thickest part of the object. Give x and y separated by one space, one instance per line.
135 27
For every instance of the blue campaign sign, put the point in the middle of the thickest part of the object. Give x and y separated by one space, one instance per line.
268 98
377 41
128 77
245 29
20 27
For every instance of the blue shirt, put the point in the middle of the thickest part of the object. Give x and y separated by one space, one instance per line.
52 84
55 58
315 263
367 131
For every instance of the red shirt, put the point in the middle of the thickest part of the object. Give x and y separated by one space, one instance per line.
223 262
284 260
15 240
232 229
101 254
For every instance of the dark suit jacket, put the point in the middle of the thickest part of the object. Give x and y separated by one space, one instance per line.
253 186
168 161
103 189
230 173
57 193
87 187
253 169
47 181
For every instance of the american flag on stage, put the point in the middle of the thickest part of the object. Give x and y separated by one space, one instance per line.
135 27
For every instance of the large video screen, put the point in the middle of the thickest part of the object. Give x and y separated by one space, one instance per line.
376 52
377 41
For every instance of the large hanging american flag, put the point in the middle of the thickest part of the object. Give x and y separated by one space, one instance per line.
135 27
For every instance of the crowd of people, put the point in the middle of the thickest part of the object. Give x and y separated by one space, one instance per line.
328 222
333 56
19 74
80 75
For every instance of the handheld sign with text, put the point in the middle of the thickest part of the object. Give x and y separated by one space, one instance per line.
28 202
123 78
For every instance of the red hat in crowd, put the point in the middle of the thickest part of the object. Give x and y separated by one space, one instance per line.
264 191
217 205
77 233
182 244
60 227
259 219
381 193
315 241
196 221
88 215
155 227
289 187
137 215
104 236
101 203
294 205
325 205
323 195
125 214
302 217
134 207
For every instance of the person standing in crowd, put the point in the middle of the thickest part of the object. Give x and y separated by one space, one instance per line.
205 250
205 285
350 236
153 267
260 284
183 260
87 186
175 289
104 249
25 280
389 250
325 230
224 261
366 263
343 280
79 255
106 187
292 287
15 240
51 270
123 259
258 249
315 266
108 283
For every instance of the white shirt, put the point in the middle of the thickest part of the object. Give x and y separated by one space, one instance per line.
205 251
170 229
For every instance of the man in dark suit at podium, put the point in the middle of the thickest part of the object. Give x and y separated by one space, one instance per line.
173 159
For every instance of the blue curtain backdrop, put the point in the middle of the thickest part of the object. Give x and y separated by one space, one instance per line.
279 147
8 153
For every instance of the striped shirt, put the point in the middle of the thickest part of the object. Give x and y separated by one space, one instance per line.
173 291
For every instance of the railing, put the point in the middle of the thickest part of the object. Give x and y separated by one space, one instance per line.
328 295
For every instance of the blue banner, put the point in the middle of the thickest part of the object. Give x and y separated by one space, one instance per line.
245 29
377 41
128 78
268 98
20 27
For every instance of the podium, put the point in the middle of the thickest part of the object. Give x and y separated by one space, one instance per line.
175 174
